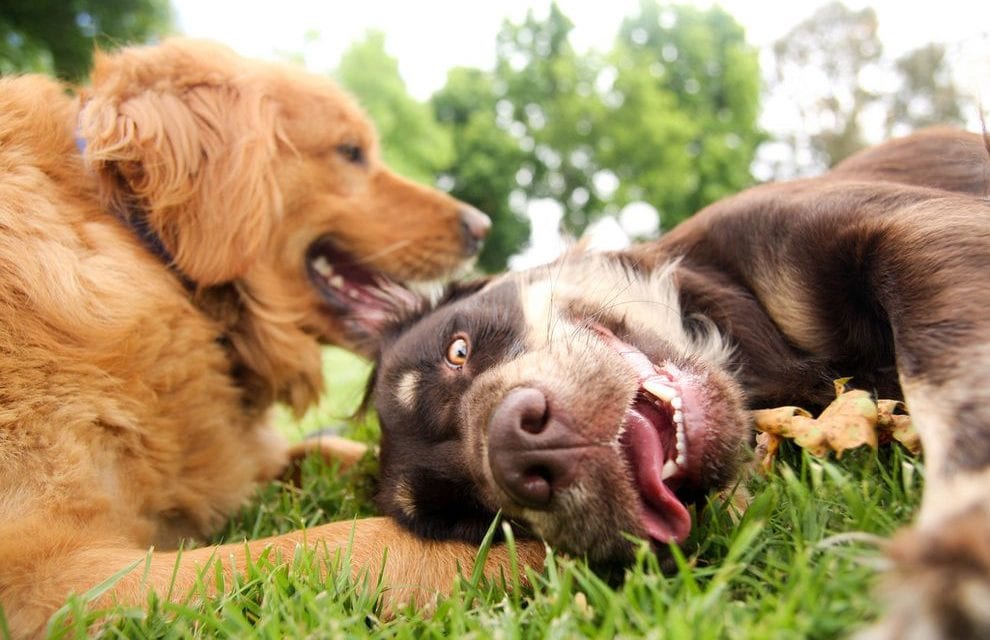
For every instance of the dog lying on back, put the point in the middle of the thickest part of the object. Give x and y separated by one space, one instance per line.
603 394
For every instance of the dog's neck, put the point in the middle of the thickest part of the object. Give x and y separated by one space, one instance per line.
221 302
135 218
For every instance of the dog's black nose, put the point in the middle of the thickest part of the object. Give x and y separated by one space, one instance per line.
531 453
474 228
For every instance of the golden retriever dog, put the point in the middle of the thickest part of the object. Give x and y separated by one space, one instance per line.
176 243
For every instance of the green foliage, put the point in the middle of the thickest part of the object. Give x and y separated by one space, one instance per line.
486 160
669 114
667 117
58 36
688 86
549 105
412 142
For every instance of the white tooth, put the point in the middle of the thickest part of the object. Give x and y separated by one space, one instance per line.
659 390
678 417
336 282
681 459
669 469
323 267
676 402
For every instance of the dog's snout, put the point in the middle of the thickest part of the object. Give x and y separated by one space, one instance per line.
531 452
474 227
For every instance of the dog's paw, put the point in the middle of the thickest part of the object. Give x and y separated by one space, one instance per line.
939 587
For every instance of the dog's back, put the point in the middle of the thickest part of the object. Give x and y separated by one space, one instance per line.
940 157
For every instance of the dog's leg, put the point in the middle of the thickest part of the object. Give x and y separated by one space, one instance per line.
940 583
333 449
938 300
414 570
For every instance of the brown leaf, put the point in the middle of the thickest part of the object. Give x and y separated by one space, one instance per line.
897 426
850 421
767 445
808 434
777 421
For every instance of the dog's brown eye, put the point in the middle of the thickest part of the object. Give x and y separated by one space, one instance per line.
351 152
457 352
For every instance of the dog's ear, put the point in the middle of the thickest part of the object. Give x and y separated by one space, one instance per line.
369 330
181 135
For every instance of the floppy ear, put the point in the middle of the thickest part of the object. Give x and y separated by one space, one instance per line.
369 330
193 155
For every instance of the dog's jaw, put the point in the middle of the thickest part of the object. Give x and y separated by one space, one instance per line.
660 425
575 404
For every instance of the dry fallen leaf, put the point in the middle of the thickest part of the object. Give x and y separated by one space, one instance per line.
897 426
852 420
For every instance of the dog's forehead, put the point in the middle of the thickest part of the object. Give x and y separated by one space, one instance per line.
496 303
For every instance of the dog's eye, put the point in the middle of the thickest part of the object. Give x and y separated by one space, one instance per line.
351 152
457 352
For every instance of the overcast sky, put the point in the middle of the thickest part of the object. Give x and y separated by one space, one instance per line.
430 36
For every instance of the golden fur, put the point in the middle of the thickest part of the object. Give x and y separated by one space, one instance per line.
134 412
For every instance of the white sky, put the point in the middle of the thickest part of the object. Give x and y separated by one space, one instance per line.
430 36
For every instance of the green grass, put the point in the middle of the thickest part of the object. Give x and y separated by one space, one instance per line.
785 569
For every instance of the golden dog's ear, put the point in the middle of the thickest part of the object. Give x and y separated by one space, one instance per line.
191 145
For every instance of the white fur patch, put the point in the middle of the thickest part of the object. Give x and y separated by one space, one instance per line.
408 389
645 302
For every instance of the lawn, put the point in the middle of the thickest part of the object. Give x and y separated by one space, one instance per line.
795 565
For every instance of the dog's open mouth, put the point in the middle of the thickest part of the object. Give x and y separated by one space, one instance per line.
656 439
350 288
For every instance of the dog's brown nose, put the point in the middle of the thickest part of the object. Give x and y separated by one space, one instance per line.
531 453
474 227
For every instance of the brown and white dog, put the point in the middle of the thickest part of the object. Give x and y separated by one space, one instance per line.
175 247
602 394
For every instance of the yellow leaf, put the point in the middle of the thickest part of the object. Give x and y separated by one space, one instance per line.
777 421
850 421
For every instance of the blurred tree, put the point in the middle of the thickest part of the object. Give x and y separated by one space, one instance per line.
837 91
682 111
58 36
824 67
412 142
927 94
485 161
667 117
549 105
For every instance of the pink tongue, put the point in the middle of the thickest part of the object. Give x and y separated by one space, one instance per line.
666 519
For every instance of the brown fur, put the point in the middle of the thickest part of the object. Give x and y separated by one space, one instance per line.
134 412
877 270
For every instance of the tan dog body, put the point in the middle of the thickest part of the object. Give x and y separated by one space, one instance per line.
133 409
